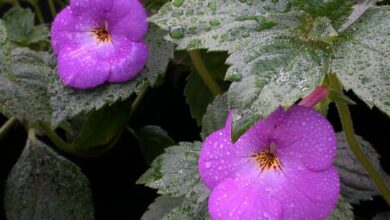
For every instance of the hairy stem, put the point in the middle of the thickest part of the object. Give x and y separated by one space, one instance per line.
52 8
6 127
347 124
38 12
138 99
57 140
204 73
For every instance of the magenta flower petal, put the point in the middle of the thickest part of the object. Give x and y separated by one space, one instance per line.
308 135
79 69
129 19
128 61
236 199
272 163
92 32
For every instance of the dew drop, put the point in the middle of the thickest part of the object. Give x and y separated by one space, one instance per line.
176 32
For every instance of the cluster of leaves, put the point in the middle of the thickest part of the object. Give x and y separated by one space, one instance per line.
278 51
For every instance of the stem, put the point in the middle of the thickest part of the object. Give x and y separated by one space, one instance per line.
52 8
31 135
38 12
204 73
138 99
347 124
57 140
6 127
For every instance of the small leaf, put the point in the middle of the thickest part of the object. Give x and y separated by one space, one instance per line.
175 172
153 140
198 95
338 96
215 116
343 211
356 184
194 205
382 216
102 126
23 82
361 58
45 185
161 206
20 26
68 102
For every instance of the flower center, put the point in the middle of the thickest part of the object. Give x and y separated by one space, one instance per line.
267 159
101 34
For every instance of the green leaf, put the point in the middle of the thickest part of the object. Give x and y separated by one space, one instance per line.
20 26
198 95
343 211
382 216
356 184
102 126
153 140
161 206
68 102
336 10
215 116
23 82
361 58
45 185
175 172
194 205
271 63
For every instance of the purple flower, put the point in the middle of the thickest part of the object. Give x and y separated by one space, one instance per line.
98 41
281 168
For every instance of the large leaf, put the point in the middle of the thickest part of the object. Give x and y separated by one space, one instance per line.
20 26
343 211
23 82
356 184
271 63
45 185
153 140
68 102
362 58
175 172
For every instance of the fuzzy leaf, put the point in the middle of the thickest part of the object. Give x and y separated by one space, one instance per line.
215 116
175 172
161 206
68 102
194 205
343 211
45 185
20 26
356 184
271 63
153 140
361 58
23 82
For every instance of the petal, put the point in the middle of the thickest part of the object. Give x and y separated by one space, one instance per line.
127 61
97 7
80 69
321 187
220 159
242 199
128 18
307 135
70 30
